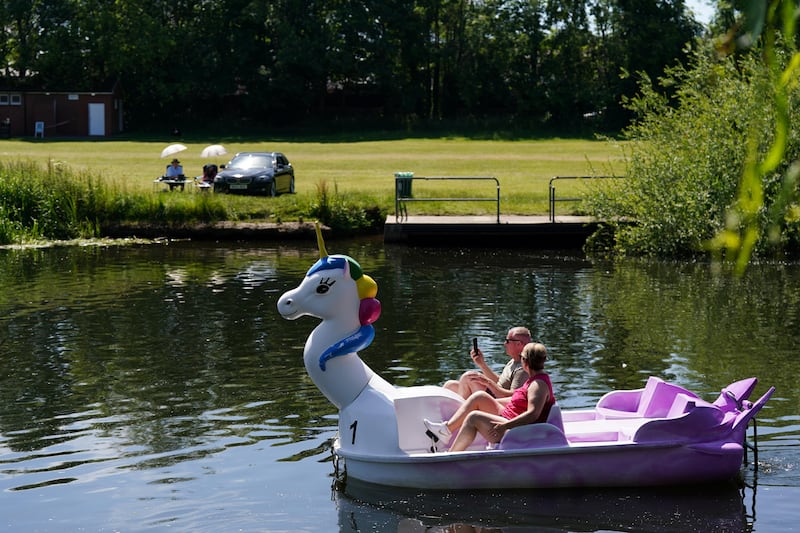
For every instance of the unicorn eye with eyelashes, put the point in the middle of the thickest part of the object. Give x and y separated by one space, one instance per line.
325 285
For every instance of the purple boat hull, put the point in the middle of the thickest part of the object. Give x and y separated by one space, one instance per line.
585 467
659 435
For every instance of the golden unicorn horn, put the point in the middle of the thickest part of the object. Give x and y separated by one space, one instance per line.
323 253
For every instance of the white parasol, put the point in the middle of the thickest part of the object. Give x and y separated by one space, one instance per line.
172 149
213 150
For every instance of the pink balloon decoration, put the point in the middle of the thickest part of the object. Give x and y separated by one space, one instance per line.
369 311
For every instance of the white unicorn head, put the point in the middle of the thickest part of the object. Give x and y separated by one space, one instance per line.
336 291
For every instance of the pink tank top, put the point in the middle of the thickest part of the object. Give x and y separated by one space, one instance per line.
519 400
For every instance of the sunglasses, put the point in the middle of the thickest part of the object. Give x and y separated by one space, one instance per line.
506 341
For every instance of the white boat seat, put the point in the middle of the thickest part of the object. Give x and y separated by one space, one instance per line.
412 405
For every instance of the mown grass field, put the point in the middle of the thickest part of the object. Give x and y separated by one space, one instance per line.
361 169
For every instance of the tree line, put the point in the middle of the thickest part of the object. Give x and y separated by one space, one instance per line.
554 63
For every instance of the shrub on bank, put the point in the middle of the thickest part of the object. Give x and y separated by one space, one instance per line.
345 213
688 151
44 203
57 203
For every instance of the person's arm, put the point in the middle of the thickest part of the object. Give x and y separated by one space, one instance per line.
500 392
480 362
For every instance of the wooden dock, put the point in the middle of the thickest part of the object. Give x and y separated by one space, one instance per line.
567 232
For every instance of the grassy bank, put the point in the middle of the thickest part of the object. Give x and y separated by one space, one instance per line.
333 178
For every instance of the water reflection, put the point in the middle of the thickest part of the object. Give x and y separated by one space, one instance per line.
716 508
163 374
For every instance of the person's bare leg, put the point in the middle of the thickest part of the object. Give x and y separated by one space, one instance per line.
463 385
469 385
460 386
474 423
453 385
479 401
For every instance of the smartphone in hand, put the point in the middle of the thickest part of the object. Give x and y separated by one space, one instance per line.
475 344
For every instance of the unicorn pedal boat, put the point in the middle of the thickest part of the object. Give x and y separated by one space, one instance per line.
661 434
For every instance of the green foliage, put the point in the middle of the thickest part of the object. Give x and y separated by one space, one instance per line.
689 148
56 203
39 203
344 212
766 203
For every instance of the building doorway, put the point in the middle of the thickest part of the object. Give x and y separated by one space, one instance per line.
97 119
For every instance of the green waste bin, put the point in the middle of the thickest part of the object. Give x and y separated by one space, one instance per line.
403 183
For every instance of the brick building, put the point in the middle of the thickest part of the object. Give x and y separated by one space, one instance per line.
61 113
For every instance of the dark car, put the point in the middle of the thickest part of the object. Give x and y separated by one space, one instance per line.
267 173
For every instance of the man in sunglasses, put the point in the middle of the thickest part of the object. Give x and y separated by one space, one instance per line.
499 386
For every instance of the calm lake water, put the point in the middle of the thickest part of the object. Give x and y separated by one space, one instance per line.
155 387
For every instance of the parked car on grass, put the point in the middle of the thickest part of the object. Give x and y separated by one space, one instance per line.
267 173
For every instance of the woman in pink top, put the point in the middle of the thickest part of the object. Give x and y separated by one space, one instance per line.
493 417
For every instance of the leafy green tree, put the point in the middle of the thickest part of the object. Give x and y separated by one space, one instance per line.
649 35
499 67
688 150
567 69
19 31
524 29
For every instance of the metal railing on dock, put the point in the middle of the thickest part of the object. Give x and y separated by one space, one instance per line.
403 192
552 188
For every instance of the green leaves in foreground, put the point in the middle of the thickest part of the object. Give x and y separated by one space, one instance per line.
765 205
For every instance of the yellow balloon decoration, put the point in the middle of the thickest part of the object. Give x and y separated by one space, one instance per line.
367 288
